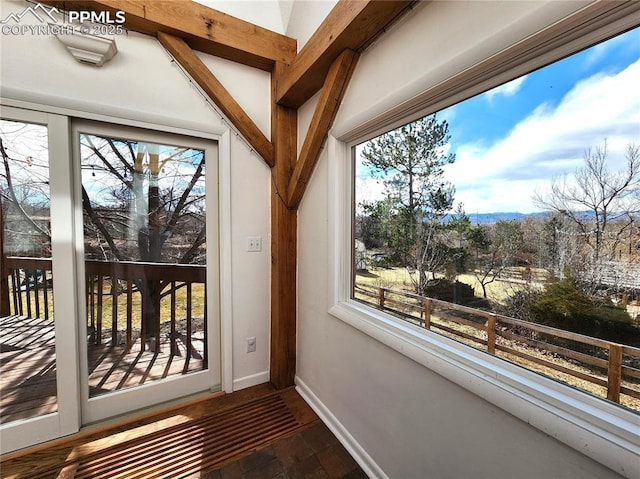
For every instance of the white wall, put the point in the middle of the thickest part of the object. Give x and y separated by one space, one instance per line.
270 14
407 420
305 17
141 83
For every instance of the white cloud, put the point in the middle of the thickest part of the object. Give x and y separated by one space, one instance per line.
601 50
498 195
549 142
508 89
368 189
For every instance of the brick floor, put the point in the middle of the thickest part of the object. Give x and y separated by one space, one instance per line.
313 453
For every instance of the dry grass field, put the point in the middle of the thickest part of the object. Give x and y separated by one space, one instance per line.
399 278
197 306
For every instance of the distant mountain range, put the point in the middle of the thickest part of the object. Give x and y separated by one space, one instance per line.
491 218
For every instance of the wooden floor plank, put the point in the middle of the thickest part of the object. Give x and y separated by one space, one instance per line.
176 443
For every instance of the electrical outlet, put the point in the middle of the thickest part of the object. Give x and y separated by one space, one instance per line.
251 345
254 243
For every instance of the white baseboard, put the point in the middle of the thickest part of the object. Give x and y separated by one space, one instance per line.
363 459
253 380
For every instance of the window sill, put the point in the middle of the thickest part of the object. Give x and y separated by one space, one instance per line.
601 430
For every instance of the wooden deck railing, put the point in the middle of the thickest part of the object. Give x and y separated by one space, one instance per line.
126 278
29 287
584 356
30 295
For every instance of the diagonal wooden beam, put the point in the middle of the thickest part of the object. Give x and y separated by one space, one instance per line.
219 94
327 107
353 25
203 28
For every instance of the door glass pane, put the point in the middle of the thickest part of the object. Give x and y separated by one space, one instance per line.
27 334
144 241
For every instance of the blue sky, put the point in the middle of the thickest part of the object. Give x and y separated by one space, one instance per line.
490 116
511 141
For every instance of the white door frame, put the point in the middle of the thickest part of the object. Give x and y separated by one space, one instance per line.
23 433
138 397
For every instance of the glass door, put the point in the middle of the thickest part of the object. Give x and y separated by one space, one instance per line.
38 390
109 276
149 266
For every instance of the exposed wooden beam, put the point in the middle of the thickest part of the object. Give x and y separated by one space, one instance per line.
204 29
352 24
284 127
283 293
326 109
284 214
183 26
219 94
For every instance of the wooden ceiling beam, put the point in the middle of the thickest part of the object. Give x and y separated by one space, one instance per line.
219 94
202 28
352 25
327 107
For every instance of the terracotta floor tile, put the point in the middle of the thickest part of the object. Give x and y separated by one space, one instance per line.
231 471
309 468
293 457
336 462
292 449
319 437
306 448
270 470
257 459
356 474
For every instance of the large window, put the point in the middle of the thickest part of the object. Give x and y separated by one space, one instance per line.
511 221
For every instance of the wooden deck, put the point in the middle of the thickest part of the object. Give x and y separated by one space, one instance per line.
28 366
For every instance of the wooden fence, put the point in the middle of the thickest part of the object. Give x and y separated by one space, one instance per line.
583 356
30 294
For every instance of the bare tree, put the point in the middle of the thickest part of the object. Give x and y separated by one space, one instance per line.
495 248
141 201
144 202
24 187
430 254
602 204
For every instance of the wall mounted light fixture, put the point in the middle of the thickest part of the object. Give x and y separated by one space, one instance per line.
88 48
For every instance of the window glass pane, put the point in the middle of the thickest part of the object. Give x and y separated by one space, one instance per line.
511 221
145 250
27 332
